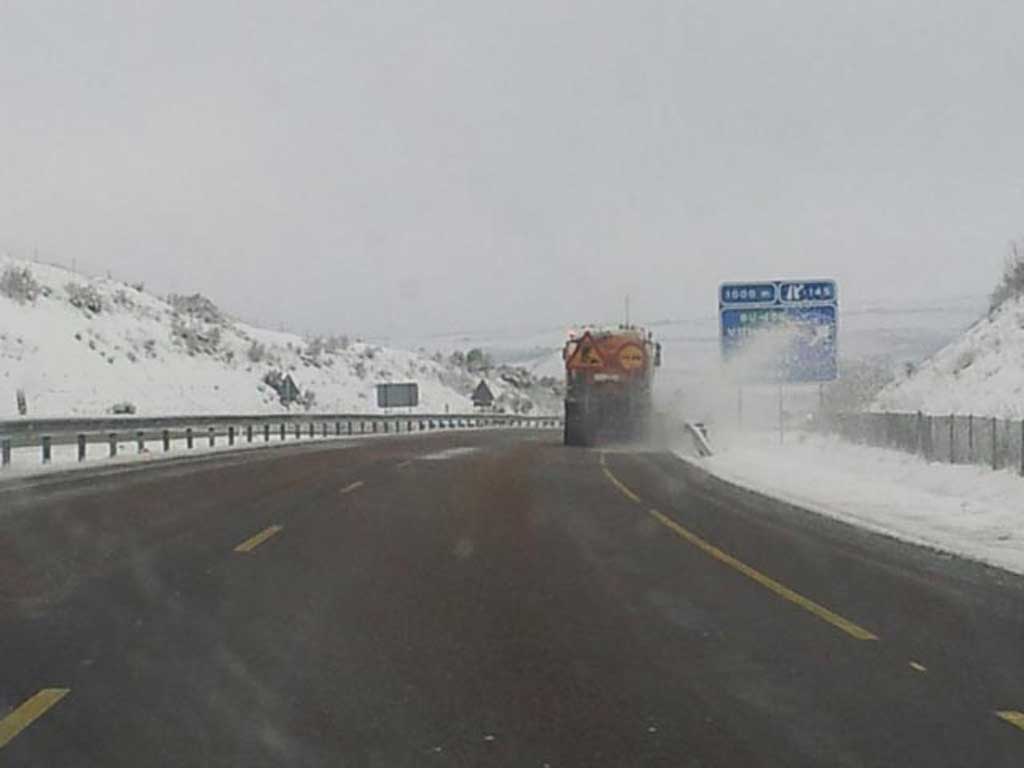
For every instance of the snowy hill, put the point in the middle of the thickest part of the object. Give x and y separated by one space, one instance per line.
77 345
980 373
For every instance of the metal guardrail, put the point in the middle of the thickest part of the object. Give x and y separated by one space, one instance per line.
163 432
699 434
951 439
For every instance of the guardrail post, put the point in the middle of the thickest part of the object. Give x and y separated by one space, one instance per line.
47 449
81 447
188 437
387 427
248 433
952 438
337 429
231 435
298 430
213 436
312 429
140 441
373 424
266 433
350 426
167 440
112 437
5 451
283 428
970 438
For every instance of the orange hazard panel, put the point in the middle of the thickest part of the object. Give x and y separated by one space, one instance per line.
586 355
632 357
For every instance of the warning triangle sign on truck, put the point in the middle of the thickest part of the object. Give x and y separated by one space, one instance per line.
586 354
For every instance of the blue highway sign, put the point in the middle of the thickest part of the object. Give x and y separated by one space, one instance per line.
803 316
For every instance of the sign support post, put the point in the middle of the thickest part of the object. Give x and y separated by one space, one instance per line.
782 417
739 408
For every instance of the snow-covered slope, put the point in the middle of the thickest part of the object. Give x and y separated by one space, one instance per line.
81 346
980 373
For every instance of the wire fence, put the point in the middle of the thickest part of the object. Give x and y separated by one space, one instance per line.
952 439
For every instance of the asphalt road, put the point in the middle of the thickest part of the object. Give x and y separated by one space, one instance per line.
484 599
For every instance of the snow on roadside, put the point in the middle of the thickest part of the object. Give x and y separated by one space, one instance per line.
26 461
964 510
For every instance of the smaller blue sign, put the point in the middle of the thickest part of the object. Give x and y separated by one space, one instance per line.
745 294
815 291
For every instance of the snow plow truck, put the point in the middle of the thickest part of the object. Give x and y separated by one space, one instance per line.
608 377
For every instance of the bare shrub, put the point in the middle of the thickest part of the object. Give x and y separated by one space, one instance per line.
196 337
307 399
1012 283
257 352
84 297
315 347
319 345
18 284
196 306
122 299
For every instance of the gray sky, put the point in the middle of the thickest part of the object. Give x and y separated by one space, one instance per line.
390 167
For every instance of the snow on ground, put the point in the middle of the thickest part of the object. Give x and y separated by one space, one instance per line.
80 346
980 373
964 510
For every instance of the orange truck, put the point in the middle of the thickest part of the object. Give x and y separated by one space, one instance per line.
608 377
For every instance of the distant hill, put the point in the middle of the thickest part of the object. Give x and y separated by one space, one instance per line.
78 345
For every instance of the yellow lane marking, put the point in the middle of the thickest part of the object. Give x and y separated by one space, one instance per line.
918 667
250 544
1012 717
781 590
28 713
618 484
353 486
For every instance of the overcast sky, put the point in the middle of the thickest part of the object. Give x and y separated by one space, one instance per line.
389 167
